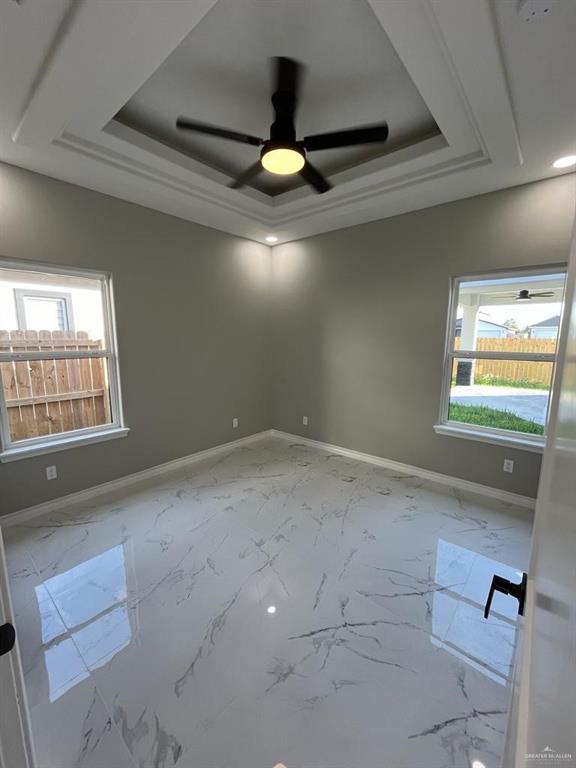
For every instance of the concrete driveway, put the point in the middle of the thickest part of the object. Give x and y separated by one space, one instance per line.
527 403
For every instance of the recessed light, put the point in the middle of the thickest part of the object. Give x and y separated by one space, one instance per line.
271 239
478 764
271 609
565 162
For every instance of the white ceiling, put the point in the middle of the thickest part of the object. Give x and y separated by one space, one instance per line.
501 90
220 74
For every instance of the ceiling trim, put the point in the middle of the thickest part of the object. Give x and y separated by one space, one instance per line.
102 54
148 172
105 51
135 144
474 58
361 196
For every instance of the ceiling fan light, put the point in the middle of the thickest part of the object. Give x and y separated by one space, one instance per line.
283 161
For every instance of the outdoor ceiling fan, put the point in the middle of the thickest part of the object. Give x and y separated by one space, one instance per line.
525 295
282 153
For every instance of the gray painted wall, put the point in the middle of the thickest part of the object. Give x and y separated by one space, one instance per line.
356 341
360 320
189 300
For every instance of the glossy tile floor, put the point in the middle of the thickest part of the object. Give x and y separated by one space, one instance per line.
279 604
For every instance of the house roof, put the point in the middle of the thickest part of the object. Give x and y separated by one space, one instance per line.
550 322
481 320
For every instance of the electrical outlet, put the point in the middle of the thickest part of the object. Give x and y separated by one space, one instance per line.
305 420
234 423
508 465
531 10
51 473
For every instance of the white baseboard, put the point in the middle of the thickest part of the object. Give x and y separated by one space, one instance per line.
160 469
53 505
408 469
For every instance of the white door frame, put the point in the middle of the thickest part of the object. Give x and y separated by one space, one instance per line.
16 748
545 666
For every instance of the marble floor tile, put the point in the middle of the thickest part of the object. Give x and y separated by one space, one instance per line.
76 729
278 604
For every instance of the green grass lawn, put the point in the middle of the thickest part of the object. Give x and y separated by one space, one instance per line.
491 417
500 381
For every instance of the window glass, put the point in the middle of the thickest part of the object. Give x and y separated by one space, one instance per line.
46 397
506 394
509 314
57 371
507 330
37 301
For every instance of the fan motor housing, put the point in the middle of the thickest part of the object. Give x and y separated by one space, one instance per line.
282 129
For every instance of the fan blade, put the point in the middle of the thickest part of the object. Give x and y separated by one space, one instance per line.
543 293
287 76
246 176
368 135
213 130
315 178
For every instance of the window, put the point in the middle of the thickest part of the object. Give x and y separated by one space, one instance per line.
500 355
51 311
58 365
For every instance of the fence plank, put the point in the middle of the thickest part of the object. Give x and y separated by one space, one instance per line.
50 384
51 396
40 410
26 426
85 375
98 384
8 375
63 382
522 371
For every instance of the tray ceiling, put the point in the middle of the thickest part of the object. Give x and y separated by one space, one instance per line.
220 74
477 99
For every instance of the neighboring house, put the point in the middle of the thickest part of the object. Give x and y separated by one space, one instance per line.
545 329
58 306
486 329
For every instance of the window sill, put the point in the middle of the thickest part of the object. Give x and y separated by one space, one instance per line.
72 441
536 444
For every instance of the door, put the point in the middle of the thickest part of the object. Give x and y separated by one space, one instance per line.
543 723
15 736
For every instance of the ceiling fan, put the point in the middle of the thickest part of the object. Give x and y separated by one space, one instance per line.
525 295
282 153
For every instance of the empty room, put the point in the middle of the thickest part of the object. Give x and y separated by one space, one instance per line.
287 383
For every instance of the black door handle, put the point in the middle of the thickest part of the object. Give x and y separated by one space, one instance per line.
7 638
500 584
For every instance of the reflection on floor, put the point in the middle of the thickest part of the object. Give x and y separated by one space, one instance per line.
277 605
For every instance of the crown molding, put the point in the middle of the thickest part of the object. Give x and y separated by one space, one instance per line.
105 51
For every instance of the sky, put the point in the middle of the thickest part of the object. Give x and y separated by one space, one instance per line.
524 314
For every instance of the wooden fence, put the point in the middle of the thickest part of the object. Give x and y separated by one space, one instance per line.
44 397
516 370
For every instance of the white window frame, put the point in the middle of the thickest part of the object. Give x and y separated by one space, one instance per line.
21 293
13 450
444 426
